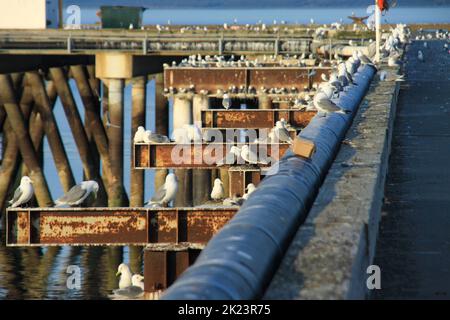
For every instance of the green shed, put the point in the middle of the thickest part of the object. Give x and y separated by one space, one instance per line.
121 17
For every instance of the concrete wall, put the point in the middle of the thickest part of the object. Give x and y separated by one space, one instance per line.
27 14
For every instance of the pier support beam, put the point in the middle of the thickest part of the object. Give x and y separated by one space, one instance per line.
137 181
115 134
51 129
162 121
25 144
93 122
163 265
264 102
182 114
201 178
79 134
11 156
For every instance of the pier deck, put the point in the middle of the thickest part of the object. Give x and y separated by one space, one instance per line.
412 249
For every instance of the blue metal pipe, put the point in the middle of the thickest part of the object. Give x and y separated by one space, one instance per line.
239 262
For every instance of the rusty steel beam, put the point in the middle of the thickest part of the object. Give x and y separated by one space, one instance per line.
254 118
114 226
240 177
164 264
213 79
195 156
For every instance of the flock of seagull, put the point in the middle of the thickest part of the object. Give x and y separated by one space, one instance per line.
339 80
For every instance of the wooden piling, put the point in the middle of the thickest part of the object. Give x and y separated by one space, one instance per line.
51 129
161 122
96 86
76 125
115 134
201 178
11 157
137 181
264 102
25 144
182 114
93 122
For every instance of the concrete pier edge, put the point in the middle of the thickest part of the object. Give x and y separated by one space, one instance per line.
330 253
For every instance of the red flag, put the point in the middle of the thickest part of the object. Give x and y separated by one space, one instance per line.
383 5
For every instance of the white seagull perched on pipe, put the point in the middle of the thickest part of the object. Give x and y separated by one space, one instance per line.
166 193
78 194
150 137
324 105
218 192
23 193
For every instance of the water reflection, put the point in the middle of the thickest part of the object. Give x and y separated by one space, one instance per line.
41 272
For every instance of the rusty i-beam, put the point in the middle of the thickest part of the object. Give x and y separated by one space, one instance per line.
114 226
23 138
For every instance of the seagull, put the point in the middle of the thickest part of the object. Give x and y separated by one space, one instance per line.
250 188
420 56
23 193
323 104
226 101
166 192
125 275
234 201
78 194
282 133
251 157
231 158
135 290
217 192
364 59
139 135
150 137
193 132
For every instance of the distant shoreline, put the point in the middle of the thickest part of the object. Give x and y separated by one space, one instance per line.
271 7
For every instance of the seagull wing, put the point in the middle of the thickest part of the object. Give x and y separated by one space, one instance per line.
73 196
328 105
17 195
159 195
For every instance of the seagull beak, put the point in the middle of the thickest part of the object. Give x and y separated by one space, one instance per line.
118 273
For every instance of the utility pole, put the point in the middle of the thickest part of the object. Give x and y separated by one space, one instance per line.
60 14
377 30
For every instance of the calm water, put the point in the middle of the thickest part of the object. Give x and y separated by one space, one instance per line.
40 273
291 15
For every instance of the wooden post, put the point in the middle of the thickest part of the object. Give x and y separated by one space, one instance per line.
95 85
76 125
378 31
137 181
11 158
161 122
201 178
93 122
51 130
182 114
264 102
115 134
25 145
